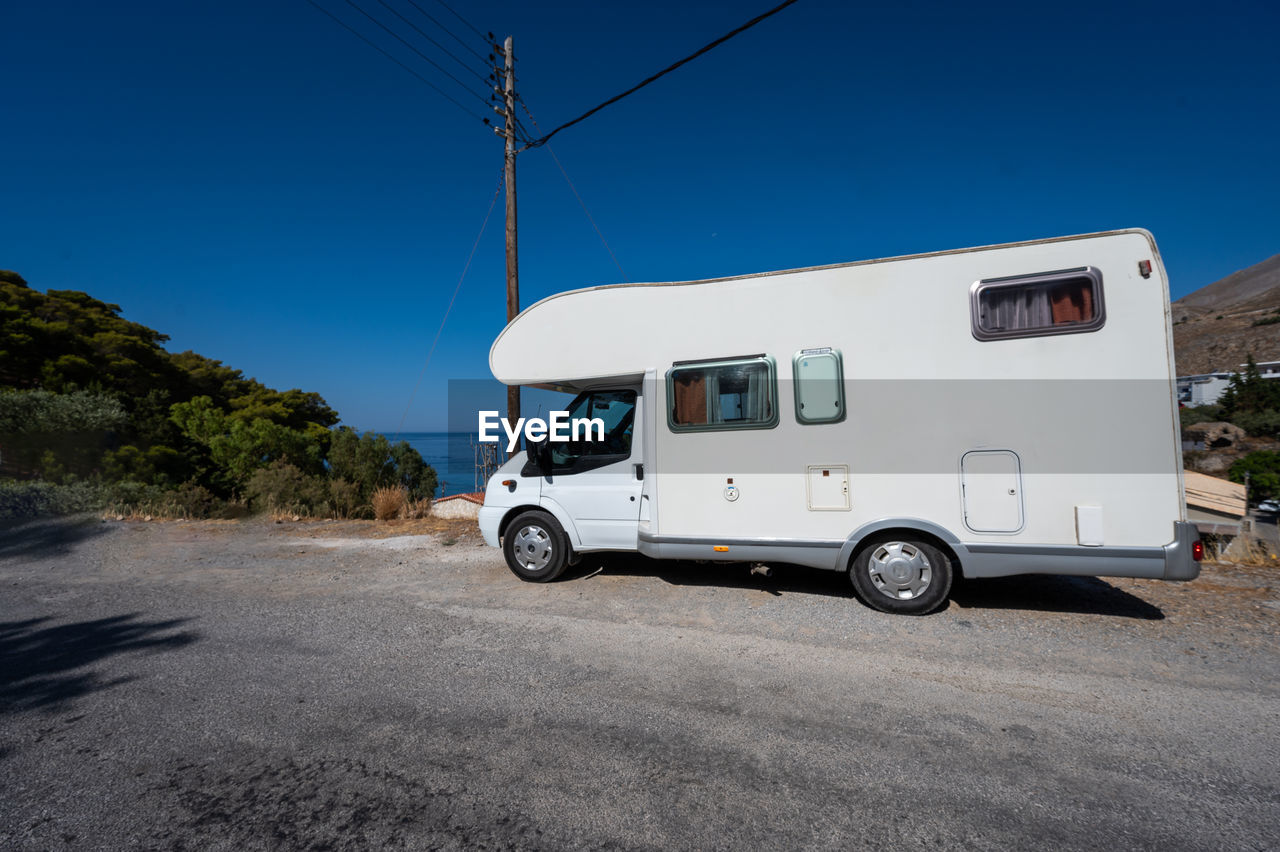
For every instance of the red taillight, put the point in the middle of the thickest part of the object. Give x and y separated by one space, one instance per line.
1197 550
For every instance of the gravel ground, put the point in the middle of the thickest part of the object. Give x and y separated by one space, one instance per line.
350 685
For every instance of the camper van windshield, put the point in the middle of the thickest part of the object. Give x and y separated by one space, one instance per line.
616 410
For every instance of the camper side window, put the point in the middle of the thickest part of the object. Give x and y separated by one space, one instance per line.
819 385
710 396
1066 302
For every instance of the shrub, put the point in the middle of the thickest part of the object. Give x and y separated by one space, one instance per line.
1263 468
132 498
1259 423
1199 414
282 487
344 499
390 502
37 498
371 461
419 509
193 501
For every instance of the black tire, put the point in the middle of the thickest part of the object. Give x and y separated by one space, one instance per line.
536 548
902 575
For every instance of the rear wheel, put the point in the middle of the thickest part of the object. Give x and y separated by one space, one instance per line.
536 547
902 575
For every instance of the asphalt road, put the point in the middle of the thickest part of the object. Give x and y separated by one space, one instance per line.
259 686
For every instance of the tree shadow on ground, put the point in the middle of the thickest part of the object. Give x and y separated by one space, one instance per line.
48 537
41 664
1042 593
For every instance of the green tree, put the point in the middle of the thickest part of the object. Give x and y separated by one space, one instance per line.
65 339
238 447
370 461
1263 468
1249 392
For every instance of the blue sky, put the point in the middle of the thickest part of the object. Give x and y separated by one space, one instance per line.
254 181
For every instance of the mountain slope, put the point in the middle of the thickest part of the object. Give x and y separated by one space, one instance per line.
1214 327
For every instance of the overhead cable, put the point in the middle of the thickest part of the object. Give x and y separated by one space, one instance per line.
576 195
464 20
748 25
422 55
455 37
442 48
422 79
457 287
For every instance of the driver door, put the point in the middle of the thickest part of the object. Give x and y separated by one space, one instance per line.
598 482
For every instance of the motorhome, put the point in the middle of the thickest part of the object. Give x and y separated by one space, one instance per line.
980 412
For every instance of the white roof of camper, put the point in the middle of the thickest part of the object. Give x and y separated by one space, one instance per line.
570 339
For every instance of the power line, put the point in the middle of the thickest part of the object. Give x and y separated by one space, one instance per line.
748 25
433 20
464 20
574 189
496 192
428 59
424 80
444 49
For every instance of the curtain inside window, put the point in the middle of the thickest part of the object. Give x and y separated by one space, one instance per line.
755 402
726 394
690 398
1037 305
715 412
1017 308
1072 302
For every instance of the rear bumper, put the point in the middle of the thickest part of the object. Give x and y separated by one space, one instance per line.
1178 561
1172 561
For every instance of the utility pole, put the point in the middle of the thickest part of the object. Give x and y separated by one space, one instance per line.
513 265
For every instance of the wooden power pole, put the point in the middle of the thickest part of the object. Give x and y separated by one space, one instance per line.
513 265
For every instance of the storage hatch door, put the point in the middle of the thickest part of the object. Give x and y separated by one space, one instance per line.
991 481
828 487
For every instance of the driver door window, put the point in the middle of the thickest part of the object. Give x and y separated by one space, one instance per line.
616 410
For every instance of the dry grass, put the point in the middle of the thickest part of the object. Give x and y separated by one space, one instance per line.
1247 550
390 503
170 510
418 509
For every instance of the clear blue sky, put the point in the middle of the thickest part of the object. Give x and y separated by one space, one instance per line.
252 180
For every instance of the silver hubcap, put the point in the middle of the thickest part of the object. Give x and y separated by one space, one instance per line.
900 570
532 548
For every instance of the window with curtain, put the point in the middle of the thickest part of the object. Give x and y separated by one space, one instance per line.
730 394
1033 305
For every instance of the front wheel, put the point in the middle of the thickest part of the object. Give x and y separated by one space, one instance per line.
536 547
901 575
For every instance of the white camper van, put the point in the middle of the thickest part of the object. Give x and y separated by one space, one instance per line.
981 412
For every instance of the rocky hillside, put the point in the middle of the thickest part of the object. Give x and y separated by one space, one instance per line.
1218 326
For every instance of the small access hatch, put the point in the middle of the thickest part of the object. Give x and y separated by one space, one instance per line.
992 485
828 487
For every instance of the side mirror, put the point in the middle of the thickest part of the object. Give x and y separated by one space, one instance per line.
540 455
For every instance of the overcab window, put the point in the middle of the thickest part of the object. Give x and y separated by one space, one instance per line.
727 394
1066 302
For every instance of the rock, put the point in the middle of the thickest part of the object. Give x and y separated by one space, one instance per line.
1211 464
1216 435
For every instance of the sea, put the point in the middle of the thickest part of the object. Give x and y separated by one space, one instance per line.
451 454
